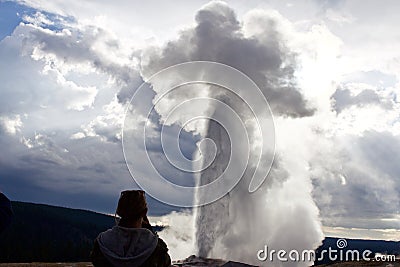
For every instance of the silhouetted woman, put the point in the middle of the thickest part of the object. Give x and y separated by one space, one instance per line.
131 243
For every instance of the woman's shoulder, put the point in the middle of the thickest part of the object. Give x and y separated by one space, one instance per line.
159 257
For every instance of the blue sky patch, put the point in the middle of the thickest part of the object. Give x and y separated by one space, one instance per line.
10 17
11 14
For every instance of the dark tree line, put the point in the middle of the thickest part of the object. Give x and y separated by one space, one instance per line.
43 233
50 234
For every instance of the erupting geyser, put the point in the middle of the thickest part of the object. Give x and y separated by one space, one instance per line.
281 213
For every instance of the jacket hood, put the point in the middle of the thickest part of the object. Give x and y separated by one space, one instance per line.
127 246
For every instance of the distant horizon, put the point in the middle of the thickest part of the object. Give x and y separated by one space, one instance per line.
329 231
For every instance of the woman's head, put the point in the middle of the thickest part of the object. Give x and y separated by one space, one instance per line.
132 206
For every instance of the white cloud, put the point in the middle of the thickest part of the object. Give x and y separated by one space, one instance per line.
78 135
11 124
338 17
38 19
107 126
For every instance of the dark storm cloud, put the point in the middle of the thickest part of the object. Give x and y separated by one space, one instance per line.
362 178
343 99
46 173
17 184
45 154
218 36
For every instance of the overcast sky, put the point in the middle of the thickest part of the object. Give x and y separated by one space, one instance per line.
68 68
